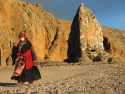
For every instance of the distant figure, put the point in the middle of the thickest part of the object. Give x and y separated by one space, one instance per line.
23 60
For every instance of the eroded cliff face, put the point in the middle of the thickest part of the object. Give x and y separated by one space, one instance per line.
48 36
114 42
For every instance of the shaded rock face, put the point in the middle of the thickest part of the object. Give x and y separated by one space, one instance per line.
86 33
106 44
48 37
74 50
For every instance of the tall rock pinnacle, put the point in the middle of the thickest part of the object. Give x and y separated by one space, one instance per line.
86 32
90 30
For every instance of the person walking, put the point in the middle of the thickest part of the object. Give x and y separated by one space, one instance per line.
24 68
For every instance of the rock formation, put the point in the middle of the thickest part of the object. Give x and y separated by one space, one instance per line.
87 33
116 38
90 30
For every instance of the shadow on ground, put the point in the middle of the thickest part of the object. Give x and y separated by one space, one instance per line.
8 84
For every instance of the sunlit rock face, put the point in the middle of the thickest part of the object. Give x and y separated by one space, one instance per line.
48 36
91 36
86 33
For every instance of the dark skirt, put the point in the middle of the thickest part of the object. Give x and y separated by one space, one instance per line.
28 75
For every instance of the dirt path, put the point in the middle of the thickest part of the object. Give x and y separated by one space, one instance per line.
74 79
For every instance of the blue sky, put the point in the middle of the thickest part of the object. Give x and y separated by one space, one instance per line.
108 12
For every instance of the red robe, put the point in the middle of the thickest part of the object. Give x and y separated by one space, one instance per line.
25 56
28 58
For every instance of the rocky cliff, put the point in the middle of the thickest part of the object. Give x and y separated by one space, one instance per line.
48 36
114 41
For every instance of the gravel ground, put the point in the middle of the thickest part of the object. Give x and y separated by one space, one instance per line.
71 79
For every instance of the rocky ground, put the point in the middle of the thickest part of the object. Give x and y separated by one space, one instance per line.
95 78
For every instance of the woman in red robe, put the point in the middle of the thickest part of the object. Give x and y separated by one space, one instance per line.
24 61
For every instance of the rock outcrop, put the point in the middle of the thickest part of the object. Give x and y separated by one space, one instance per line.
86 32
90 30
116 42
